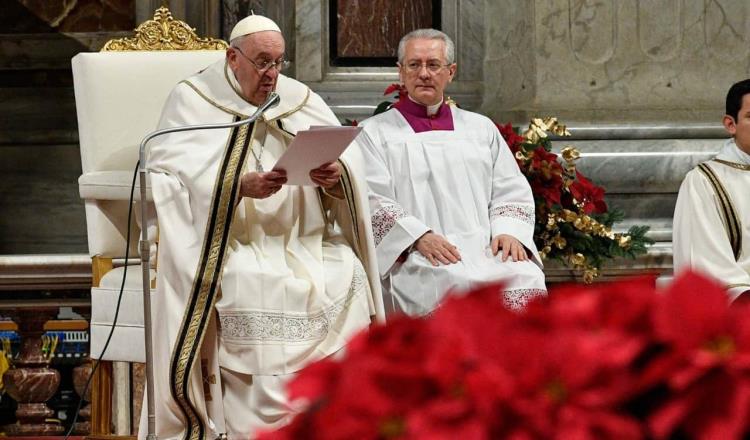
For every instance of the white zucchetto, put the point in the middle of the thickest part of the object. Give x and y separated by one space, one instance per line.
252 24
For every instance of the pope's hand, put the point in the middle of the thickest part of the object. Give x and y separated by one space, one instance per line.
326 175
510 247
261 185
437 249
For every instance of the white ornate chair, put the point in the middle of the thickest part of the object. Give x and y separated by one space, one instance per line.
119 95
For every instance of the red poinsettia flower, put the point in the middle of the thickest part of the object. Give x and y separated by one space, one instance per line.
706 367
395 87
511 137
588 194
545 176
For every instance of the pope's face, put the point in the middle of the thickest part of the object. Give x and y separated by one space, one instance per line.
425 86
260 48
740 128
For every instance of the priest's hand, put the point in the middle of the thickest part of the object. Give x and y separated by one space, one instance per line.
261 185
437 249
327 175
510 246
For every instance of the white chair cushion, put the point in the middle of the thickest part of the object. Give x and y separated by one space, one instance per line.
127 342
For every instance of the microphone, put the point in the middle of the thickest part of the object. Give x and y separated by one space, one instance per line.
270 102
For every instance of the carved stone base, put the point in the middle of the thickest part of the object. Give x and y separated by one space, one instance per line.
28 429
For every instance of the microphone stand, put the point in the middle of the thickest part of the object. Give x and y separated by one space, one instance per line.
145 248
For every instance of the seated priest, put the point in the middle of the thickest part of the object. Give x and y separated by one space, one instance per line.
450 208
256 278
711 230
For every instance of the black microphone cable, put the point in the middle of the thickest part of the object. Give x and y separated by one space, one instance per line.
117 308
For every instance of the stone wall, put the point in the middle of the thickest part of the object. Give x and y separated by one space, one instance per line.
610 61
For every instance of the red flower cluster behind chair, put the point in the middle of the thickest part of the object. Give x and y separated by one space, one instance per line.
545 174
614 361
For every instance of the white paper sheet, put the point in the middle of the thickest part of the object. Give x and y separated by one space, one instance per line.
312 148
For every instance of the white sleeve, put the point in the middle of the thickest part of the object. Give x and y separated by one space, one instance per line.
699 238
511 207
394 229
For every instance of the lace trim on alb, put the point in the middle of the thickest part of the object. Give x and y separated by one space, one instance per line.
243 327
525 213
383 220
518 298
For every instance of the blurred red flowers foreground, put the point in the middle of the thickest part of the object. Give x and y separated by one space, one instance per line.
607 361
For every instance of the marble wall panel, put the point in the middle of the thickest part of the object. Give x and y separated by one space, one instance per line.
660 28
469 36
611 62
309 37
33 16
509 62
726 28
592 28
372 29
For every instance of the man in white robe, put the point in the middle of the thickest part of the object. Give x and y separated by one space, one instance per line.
450 208
255 278
711 230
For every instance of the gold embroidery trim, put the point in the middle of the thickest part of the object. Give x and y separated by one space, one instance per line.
295 109
731 220
194 324
346 184
211 101
283 132
739 166
163 32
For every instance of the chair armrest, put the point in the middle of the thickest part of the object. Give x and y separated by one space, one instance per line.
110 185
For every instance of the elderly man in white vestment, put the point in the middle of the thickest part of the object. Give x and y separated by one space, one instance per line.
450 208
712 218
255 278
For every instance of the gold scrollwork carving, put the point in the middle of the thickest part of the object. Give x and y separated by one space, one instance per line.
163 32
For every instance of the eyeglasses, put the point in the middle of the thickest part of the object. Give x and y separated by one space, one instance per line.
263 66
432 66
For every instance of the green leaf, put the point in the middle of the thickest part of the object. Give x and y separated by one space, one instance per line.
382 107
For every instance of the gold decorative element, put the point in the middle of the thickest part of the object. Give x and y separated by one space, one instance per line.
163 32
539 127
739 166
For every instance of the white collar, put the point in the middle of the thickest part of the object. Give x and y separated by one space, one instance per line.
732 153
431 109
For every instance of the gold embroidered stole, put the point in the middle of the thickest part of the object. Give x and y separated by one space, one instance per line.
203 294
726 207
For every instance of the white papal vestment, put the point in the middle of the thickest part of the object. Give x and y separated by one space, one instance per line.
463 184
701 226
248 290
